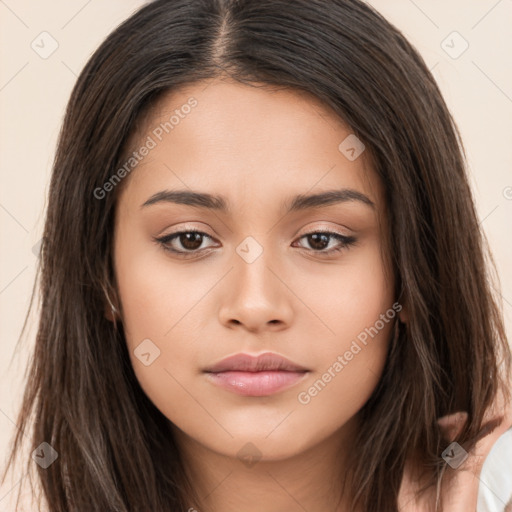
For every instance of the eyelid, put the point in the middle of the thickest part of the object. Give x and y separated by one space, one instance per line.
322 229
346 241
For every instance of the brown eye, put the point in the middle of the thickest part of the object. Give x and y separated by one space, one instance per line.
183 242
190 241
319 241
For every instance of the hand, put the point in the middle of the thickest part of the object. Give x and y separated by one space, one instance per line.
459 487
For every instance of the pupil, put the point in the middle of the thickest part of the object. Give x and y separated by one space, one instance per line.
191 241
320 240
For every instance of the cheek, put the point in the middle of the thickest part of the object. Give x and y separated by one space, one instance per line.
156 299
356 304
357 313
157 292
348 300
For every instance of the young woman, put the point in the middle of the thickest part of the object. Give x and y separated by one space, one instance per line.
264 284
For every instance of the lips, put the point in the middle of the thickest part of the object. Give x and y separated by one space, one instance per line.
247 363
261 375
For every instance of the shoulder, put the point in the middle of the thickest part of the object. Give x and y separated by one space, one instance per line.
495 487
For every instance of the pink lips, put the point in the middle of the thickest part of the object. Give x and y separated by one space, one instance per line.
248 375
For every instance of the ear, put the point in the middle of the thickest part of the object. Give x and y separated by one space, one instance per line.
403 312
403 315
111 311
109 314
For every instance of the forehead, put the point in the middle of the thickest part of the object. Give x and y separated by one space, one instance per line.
254 145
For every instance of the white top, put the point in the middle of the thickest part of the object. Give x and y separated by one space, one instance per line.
495 489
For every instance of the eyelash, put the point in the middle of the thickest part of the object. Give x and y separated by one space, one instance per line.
346 242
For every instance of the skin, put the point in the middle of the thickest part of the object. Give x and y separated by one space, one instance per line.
257 148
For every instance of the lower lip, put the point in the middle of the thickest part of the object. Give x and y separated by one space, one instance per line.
263 383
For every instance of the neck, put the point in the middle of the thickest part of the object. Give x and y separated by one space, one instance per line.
310 480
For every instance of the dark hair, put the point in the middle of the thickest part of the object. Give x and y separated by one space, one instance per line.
115 448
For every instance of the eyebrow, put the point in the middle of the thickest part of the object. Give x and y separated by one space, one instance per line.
297 203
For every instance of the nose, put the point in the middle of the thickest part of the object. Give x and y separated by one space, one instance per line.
256 297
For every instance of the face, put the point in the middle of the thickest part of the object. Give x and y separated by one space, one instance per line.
254 268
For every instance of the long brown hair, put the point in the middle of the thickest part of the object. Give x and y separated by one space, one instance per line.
115 449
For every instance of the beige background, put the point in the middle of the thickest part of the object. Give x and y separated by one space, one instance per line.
34 90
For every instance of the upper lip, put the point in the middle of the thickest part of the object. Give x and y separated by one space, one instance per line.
248 363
